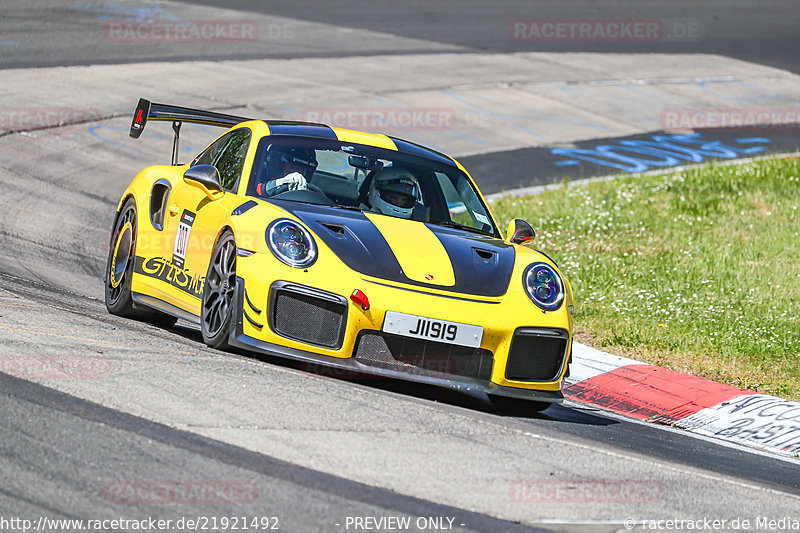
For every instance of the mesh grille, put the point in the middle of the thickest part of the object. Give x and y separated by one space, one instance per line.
421 356
308 319
535 358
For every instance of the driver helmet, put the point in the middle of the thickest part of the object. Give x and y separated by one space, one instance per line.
283 160
394 191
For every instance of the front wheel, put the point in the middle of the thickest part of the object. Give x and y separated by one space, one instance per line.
218 293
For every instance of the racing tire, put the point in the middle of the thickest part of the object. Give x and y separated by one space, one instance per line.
119 271
219 293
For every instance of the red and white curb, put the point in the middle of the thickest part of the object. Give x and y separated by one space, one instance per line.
655 394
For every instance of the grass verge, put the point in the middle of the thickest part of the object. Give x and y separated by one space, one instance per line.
697 271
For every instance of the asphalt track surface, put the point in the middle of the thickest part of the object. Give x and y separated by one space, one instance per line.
754 31
317 448
47 432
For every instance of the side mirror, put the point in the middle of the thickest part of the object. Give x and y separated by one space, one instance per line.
520 232
205 178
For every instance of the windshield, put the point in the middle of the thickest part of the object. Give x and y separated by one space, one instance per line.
366 178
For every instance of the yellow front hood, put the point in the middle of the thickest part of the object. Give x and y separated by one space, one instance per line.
420 253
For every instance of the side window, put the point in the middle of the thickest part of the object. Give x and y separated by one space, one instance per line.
207 157
451 196
462 203
230 159
227 154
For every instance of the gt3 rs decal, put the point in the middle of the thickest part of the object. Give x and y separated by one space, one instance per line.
169 272
182 238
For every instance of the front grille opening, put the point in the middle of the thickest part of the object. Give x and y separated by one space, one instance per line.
535 357
421 356
308 319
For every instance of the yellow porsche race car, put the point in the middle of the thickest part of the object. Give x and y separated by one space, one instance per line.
343 250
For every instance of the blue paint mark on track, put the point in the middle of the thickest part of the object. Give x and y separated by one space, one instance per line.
753 140
760 97
660 151
129 13
508 119
98 131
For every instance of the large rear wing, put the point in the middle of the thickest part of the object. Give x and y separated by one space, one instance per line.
147 110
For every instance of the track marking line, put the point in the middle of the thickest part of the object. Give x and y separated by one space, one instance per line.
632 456
681 431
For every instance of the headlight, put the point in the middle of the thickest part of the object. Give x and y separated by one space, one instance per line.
543 286
291 243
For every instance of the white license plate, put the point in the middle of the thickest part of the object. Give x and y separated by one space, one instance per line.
433 329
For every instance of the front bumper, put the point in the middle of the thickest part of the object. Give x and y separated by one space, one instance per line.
245 334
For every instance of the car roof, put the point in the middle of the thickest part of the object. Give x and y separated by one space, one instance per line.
147 110
312 130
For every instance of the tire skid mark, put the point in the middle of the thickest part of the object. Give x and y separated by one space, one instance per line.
88 339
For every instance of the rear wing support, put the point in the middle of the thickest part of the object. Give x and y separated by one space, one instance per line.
176 127
147 110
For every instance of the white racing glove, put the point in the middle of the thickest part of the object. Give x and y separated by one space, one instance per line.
291 182
295 181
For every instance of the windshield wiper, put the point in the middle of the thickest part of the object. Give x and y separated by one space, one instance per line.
348 207
449 224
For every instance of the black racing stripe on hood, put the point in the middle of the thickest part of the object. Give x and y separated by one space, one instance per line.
361 246
482 265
